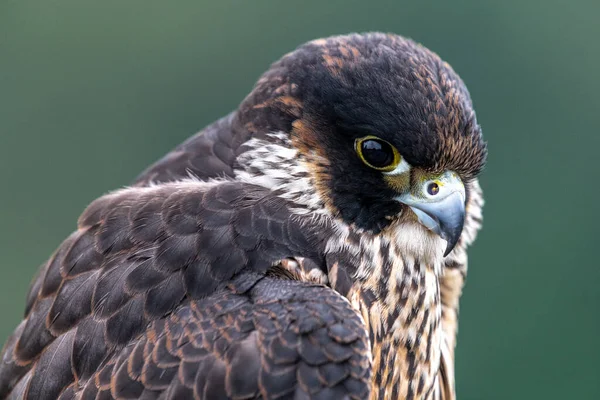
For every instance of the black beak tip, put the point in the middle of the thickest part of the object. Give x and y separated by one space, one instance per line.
449 248
452 236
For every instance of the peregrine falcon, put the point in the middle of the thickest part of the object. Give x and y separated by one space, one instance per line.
309 245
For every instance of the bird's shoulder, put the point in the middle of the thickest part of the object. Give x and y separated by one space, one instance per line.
210 153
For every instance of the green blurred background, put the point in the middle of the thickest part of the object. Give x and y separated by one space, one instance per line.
92 92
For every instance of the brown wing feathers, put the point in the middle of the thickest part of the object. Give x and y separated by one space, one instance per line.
301 343
135 257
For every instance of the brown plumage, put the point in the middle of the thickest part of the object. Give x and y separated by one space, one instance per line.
282 252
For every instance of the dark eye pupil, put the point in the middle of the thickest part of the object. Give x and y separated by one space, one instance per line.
378 154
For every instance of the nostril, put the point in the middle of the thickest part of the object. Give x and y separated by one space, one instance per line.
433 188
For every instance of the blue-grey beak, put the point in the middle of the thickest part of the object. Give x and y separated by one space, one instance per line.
442 210
446 218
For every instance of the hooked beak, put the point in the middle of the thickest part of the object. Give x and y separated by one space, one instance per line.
442 213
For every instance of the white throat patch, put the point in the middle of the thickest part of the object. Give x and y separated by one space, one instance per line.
414 240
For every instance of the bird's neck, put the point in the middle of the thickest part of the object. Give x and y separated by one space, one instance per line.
398 296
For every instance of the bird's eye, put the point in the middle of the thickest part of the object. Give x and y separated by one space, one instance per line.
377 153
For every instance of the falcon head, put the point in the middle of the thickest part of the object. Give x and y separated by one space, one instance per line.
373 129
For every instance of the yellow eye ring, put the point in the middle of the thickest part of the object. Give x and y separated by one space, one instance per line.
377 153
